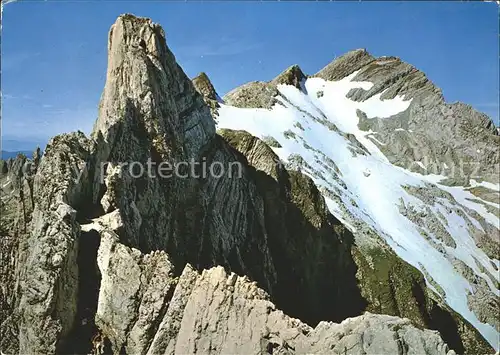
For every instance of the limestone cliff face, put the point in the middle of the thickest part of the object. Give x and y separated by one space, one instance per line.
222 313
41 289
147 93
99 257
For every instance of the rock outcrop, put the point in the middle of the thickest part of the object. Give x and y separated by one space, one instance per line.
220 313
345 65
205 87
260 94
451 139
41 275
16 207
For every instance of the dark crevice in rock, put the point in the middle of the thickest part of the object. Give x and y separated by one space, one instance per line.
84 333
421 300
442 321
88 210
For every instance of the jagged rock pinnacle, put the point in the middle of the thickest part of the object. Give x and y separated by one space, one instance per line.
263 94
291 76
204 86
148 104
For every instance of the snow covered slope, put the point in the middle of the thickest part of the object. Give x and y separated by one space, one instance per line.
435 228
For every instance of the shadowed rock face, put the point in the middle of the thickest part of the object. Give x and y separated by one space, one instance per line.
102 260
303 236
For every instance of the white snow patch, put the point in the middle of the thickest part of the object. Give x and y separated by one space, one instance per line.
419 163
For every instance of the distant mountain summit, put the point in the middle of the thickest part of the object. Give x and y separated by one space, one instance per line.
261 94
443 133
335 236
375 132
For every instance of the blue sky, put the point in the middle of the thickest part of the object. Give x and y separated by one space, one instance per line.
54 53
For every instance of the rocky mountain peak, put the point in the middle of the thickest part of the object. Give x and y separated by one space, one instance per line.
293 75
147 95
204 86
345 65
263 94
389 74
427 112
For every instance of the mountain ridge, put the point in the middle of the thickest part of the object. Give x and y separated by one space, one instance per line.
413 139
94 230
352 61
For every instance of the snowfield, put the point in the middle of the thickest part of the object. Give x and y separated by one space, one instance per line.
317 123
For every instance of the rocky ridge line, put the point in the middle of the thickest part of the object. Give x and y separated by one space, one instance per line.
448 138
221 313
